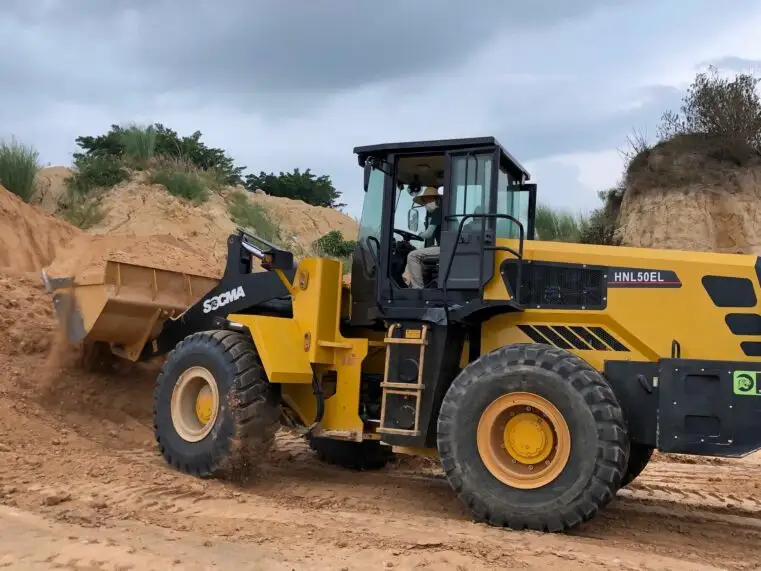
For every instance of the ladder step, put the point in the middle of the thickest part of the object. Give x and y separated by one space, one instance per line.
401 431
402 341
403 386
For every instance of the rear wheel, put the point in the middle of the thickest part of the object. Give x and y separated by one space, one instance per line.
532 437
214 409
365 455
639 457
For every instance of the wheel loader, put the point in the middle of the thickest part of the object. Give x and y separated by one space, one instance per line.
542 375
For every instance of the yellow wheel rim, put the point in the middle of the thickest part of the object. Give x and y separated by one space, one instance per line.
205 405
195 404
523 440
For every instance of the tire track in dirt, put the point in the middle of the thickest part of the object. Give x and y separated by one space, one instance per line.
673 517
650 526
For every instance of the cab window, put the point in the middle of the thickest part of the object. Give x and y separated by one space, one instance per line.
513 202
471 181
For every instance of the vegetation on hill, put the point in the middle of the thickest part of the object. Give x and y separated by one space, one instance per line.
254 216
297 185
558 225
186 163
717 125
601 225
334 245
18 168
136 146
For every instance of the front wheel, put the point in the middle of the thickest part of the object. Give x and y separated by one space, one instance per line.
215 412
531 436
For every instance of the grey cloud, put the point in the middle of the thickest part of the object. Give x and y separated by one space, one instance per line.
558 183
736 64
573 128
277 46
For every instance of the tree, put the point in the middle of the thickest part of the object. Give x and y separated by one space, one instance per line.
297 185
727 110
164 143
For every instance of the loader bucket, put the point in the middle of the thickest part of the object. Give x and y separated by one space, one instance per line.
122 304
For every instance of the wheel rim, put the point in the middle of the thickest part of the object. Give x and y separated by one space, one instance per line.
523 440
195 404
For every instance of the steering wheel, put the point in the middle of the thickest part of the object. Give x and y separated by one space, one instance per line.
407 235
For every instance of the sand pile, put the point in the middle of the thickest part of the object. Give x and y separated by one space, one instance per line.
137 208
682 196
50 186
29 238
26 315
307 223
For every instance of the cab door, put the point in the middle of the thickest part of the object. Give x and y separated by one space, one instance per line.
467 262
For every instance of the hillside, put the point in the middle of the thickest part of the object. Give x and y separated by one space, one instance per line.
138 208
681 195
30 238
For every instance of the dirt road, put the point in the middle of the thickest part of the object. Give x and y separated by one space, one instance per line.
82 488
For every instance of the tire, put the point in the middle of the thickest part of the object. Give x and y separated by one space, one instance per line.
365 455
247 412
594 440
639 456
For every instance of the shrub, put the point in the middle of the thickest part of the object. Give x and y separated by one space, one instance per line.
182 180
80 210
333 244
253 216
18 169
122 142
600 228
728 109
91 173
297 185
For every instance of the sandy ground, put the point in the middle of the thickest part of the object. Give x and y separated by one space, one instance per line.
82 487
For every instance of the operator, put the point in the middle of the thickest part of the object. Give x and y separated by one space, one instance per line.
431 200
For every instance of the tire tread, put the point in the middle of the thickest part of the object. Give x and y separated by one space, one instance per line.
613 444
253 402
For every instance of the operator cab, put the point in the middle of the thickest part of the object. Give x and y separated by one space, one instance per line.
432 213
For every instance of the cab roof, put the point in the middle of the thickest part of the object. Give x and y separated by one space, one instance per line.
438 145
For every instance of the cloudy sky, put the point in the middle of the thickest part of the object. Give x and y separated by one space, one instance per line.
299 83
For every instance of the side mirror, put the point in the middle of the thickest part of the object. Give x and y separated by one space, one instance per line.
413 218
368 172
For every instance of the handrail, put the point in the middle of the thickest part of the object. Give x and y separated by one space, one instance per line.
518 254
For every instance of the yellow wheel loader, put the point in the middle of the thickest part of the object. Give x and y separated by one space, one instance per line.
541 374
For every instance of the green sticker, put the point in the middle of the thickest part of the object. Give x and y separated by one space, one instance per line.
745 383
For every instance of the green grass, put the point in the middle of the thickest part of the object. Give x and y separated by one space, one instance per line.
182 180
254 217
19 166
555 225
139 145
